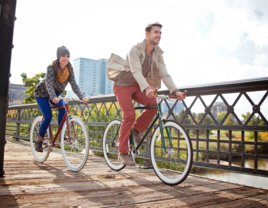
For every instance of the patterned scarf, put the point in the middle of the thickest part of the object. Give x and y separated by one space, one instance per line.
63 75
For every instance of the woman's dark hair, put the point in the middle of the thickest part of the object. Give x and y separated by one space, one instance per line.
56 67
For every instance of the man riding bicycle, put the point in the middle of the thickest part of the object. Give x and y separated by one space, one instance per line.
140 74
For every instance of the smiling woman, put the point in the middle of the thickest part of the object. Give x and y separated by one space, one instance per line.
59 74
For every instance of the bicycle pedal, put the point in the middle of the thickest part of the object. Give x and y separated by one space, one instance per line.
133 158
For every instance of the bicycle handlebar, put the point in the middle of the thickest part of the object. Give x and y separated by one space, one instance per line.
172 96
76 99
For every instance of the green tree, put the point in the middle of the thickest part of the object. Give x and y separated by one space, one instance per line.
31 84
229 120
220 116
245 116
180 116
255 120
207 119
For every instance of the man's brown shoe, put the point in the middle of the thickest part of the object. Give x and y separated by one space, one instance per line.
126 159
137 136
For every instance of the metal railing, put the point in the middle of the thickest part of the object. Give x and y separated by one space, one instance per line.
225 143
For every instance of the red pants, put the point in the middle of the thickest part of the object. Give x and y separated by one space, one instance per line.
125 95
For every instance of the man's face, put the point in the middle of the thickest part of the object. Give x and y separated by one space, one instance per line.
155 35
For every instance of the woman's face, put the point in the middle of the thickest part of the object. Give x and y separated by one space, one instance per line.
64 60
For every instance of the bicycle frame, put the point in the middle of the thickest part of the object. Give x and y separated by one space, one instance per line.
160 121
65 118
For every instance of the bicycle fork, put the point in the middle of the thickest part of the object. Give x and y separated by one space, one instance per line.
161 123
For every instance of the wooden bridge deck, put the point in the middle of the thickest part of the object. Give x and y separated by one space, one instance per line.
50 184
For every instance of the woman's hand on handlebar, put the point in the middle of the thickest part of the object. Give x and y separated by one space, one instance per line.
55 100
85 99
181 95
150 92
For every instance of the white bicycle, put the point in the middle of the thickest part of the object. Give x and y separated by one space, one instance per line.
74 150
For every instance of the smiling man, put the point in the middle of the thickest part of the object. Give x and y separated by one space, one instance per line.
147 69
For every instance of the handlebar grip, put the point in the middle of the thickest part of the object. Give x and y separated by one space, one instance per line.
172 96
175 97
155 91
87 98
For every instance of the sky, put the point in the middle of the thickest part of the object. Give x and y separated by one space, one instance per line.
203 41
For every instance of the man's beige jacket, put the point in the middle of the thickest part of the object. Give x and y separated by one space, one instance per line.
133 63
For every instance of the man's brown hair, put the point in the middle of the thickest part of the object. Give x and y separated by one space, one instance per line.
149 27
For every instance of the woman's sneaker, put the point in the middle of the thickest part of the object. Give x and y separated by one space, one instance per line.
125 159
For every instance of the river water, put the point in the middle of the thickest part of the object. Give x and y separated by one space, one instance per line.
238 178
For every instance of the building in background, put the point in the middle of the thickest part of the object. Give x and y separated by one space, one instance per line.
218 107
91 77
176 110
16 94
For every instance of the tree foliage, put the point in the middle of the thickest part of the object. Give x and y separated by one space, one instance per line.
220 116
207 119
181 115
255 120
31 83
228 121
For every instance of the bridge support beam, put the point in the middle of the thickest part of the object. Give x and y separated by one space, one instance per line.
7 18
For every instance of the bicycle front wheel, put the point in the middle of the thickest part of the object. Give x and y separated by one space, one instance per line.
39 156
173 165
75 149
110 145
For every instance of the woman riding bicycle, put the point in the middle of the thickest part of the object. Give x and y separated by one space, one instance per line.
59 74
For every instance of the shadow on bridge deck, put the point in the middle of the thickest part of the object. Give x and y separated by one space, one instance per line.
50 184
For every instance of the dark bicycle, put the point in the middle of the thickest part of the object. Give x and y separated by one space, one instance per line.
171 151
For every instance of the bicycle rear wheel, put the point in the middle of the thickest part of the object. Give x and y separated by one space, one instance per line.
110 145
39 156
75 150
173 165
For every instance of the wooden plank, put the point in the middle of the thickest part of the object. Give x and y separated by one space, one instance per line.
260 201
31 184
217 199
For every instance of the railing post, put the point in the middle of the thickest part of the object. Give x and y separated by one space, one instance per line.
7 18
18 125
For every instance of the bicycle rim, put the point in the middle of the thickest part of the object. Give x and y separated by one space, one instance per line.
75 150
110 145
173 165
39 156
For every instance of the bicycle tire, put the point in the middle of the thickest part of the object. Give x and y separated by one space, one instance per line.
39 156
174 166
75 150
110 151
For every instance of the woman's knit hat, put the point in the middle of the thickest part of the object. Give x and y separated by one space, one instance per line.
62 51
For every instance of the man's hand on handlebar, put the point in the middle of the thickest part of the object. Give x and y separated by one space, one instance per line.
181 95
149 92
